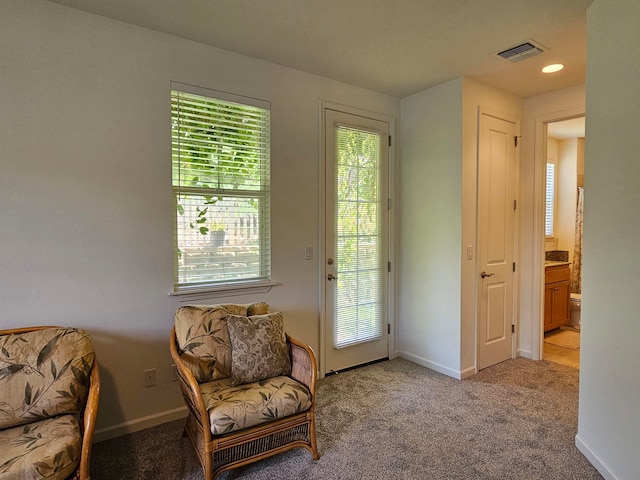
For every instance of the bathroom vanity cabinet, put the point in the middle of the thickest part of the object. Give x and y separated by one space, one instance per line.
557 295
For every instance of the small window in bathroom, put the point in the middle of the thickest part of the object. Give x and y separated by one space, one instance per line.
550 197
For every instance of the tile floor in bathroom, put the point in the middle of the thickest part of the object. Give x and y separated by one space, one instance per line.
562 355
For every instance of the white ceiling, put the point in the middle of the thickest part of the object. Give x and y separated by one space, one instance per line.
397 47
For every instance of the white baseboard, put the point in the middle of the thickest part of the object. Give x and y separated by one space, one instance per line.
594 459
432 365
467 372
524 353
139 424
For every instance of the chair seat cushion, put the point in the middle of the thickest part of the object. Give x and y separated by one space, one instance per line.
235 408
46 449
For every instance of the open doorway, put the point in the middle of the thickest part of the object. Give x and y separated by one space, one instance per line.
564 197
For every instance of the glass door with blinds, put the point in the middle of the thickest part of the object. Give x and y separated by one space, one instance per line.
356 263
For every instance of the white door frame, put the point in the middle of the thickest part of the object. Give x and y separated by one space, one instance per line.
322 267
539 161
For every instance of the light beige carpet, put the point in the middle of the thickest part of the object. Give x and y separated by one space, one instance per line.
396 420
563 338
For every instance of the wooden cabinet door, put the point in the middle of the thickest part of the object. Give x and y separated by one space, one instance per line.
560 304
556 297
548 310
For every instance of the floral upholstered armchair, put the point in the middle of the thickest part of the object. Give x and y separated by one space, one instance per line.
249 387
49 387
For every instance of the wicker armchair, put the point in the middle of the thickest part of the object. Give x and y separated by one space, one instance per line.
232 425
49 389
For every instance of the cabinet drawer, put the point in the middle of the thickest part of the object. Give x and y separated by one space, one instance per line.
552 275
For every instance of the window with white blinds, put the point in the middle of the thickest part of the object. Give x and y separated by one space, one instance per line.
358 237
550 196
220 176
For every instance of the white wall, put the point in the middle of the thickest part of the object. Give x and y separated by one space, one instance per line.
552 149
437 284
559 105
608 420
580 175
569 156
551 243
430 227
567 194
86 189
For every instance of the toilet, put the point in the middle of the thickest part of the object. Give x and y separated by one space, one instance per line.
576 301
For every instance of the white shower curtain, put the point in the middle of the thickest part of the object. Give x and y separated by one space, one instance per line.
576 267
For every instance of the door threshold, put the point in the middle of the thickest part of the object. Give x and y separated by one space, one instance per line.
336 372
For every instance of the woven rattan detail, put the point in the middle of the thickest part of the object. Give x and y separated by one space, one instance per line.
299 433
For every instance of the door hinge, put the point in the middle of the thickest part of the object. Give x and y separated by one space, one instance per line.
513 328
515 204
389 267
389 140
515 140
514 266
388 204
388 329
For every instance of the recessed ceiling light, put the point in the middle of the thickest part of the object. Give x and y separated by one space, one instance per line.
556 67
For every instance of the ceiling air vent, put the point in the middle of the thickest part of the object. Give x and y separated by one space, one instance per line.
521 52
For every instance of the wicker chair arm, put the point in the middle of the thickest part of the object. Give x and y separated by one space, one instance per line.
190 388
89 420
303 363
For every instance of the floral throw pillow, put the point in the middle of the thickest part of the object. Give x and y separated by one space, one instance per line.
258 347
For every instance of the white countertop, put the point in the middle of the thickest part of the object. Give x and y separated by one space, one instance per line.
554 263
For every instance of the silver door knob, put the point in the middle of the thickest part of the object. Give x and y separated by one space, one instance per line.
331 276
485 274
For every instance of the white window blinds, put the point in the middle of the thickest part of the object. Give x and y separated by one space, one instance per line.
550 199
220 177
358 231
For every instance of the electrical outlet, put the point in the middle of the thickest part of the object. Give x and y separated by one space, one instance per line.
174 373
150 377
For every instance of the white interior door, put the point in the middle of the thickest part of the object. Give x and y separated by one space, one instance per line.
496 213
356 244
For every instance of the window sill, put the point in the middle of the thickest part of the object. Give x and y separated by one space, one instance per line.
199 293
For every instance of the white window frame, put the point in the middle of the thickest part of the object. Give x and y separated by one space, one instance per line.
262 282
